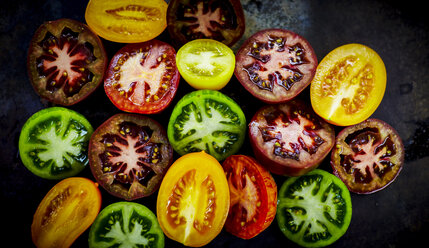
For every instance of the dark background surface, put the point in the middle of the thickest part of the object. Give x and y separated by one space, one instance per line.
397 216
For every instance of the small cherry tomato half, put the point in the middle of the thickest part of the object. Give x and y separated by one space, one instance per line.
206 64
193 200
368 156
289 138
221 20
127 21
67 210
253 195
66 61
129 155
349 85
275 65
143 77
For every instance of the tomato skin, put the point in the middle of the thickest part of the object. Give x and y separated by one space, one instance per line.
349 84
237 168
127 21
125 102
193 200
66 211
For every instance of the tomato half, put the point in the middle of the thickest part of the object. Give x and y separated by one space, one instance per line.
221 20
349 85
66 61
66 211
193 200
253 194
206 64
53 143
127 21
129 155
143 77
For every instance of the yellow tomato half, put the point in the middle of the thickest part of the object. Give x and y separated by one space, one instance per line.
349 85
127 21
193 200
66 211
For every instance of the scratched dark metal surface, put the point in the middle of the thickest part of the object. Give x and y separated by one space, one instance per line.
397 216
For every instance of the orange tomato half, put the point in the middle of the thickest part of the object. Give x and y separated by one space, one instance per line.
193 200
66 211
349 85
127 21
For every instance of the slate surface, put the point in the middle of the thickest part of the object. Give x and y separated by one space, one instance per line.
397 216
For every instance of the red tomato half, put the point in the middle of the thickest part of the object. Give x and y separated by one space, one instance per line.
253 194
143 77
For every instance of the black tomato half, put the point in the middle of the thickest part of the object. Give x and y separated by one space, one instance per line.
66 61
368 156
129 155
205 19
275 65
289 138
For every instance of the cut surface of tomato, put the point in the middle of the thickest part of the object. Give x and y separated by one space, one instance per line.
143 77
66 61
368 156
53 143
193 200
129 155
221 20
206 64
127 21
289 138
66 211
275 65
253 195
315 209
349 85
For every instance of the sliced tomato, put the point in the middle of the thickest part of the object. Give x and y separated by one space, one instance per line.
253 194
143 77
66 61
193 200
127 21
66 211
206 64
349 85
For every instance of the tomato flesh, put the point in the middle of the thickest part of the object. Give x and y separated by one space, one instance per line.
193 200
198 19
349 85
289 138
126 224
368 156
127 21
129 155
253 194
53 143
143 77
207 120
275 65
206 64
66 211
66 61
314 210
